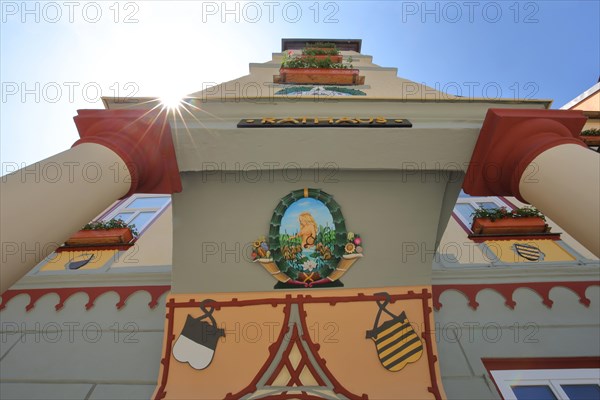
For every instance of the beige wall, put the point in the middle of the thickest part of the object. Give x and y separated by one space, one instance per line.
380 82
592 103
592 123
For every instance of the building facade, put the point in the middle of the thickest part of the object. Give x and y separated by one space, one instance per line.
302 237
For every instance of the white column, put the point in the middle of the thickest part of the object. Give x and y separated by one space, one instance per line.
43 204
563 183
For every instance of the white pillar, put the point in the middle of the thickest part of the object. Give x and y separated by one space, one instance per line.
564 183
43 204
536 156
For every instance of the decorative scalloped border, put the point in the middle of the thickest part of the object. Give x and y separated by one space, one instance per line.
470 291
93 293
507 290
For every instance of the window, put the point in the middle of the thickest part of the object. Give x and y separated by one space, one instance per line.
139 209
465 205
548 384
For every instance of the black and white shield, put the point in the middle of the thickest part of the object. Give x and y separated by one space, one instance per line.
197 342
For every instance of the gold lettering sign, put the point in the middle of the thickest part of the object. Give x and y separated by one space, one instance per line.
324 122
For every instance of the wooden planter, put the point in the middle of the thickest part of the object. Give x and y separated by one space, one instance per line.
319 76
100 237
508 226
334 59
591 140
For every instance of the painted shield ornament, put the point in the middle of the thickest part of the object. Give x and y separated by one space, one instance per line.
197 342
396 341
80 260
528 252
308 244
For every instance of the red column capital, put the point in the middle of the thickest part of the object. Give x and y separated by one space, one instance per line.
510 139
142 139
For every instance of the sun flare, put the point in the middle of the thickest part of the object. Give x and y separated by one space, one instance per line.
171 101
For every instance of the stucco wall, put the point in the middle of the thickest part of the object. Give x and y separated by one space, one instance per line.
218 215
101 353
531 330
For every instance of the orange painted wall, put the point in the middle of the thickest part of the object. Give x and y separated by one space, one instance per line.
338 329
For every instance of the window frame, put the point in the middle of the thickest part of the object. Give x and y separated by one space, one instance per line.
553 378
473 201
123 206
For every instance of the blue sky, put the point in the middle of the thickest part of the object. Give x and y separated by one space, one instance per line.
57 57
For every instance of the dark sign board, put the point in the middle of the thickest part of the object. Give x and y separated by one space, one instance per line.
329 122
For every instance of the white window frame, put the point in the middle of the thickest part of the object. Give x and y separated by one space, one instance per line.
474 202
124 207
553 378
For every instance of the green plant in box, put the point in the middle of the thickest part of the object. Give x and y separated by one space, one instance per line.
112 224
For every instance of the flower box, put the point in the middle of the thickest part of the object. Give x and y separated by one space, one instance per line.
590 140
508 226
319 76
334 59
100 237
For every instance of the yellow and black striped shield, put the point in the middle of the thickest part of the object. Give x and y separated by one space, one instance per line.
396 341
528 252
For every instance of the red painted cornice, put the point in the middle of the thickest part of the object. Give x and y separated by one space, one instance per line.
142 139
93 293
507 290
469 290
510 139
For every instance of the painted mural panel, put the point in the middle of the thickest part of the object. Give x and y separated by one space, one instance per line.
306 345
